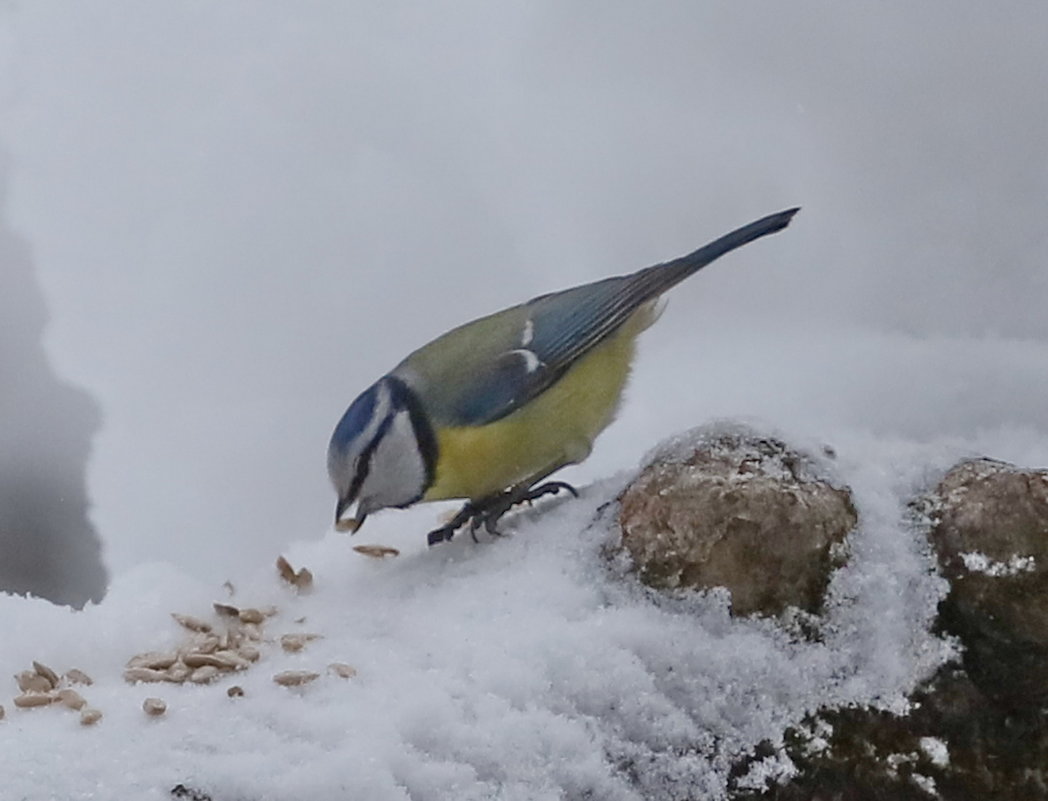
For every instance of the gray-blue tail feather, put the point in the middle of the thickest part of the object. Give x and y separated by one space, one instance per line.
569 323
679 269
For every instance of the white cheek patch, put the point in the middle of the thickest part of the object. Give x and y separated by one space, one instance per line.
397 473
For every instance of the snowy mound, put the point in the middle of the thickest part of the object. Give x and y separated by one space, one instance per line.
524 668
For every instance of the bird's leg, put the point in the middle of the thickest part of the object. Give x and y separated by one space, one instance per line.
484 512
489 525
492 512
489 511
474 524
446 532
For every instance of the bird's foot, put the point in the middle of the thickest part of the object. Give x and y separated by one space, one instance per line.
489 511
549 488
444 534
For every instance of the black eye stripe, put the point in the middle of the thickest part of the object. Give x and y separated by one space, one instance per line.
405 399
364 460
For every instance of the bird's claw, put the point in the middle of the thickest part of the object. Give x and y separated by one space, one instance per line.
488 512
442 534
550 488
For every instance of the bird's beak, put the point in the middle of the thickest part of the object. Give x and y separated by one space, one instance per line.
350 524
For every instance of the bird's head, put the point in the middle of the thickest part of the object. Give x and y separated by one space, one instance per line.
382 452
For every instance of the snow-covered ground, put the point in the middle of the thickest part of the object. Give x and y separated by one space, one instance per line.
523 669
530 667
243 213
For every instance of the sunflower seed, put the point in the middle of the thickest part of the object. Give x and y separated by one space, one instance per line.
204 675
154 660
286 571
191 623
232 660
71 699
252 616
46 672
207 644
194 660
223 660
28 700
77 676
136 674
29 681
295 678
304 579
154 707
342 670
251 631
376 551
296 642
177 673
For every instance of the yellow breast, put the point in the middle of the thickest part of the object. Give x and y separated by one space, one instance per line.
556 428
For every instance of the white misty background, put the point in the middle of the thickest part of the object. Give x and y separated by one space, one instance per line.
243 213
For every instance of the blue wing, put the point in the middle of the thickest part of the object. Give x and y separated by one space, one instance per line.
485 370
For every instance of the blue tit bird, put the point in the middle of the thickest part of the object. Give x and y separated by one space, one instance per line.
489 410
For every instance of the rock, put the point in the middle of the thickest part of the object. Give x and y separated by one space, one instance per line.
957 744
978 728
728 507
989 528
48 544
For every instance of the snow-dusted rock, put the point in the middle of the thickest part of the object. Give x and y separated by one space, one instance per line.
990 533
978 727
48 546
729 507
955 743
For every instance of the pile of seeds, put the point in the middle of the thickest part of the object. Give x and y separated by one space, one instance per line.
42 686
209 651
221 646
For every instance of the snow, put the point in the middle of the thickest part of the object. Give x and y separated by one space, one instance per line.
977 562
770 770
937 750
926 783
523 668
